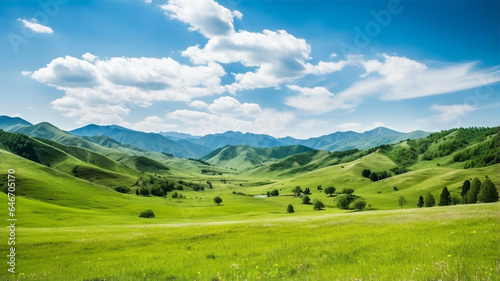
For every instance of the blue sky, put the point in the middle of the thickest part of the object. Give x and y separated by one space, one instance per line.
283 68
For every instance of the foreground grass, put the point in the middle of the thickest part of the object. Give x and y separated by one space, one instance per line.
448 243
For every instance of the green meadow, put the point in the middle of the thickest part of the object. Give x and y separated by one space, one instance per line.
441 243
73 224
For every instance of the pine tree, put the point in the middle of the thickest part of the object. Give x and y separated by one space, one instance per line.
465 189
445 198
429 200
475 186
420 203
488 192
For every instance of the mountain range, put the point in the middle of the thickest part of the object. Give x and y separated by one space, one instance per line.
188 146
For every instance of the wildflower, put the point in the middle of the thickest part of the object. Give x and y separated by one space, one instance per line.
474 232
276 265
449 256
257 267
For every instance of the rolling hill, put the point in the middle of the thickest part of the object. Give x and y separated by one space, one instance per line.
244 157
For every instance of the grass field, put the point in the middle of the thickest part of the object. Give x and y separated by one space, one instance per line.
73 225
441 243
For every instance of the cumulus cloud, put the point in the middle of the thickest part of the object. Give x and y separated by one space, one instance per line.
207 17
449 113
231 106
267 121
97 90
277 56
34 26
198 104
315 100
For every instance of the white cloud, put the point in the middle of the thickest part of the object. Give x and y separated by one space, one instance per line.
231 106
36 27
98 91
449 113
351 126
315 100
89 57
207 17
277 56
399 78
153 124
198 104
200 123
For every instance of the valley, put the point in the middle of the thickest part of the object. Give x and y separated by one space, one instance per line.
88 191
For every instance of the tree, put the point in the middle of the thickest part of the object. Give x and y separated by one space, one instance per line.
401 201
359 205
318 204
374 176
420 203
366 173
445 198
275 193
429 200
144 192
297 190
290 209
175 195
306 200
137 191
465 189
217 200
147 214
475 186
344 201
156 191
330 190
488 192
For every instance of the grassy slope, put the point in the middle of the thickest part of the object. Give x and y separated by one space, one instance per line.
447 243
244 157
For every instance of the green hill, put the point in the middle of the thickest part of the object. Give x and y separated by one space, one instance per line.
244 157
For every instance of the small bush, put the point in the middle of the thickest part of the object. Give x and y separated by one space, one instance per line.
318 204
147 214
290 209
348 191
306 200
358 205
122 189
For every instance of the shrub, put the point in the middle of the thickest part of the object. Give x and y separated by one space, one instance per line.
147 214
306 200
122 189
344 201
156 191
175 195
348 191
318 204
395 188
290 209
366 173
144 192
275 193
359 205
